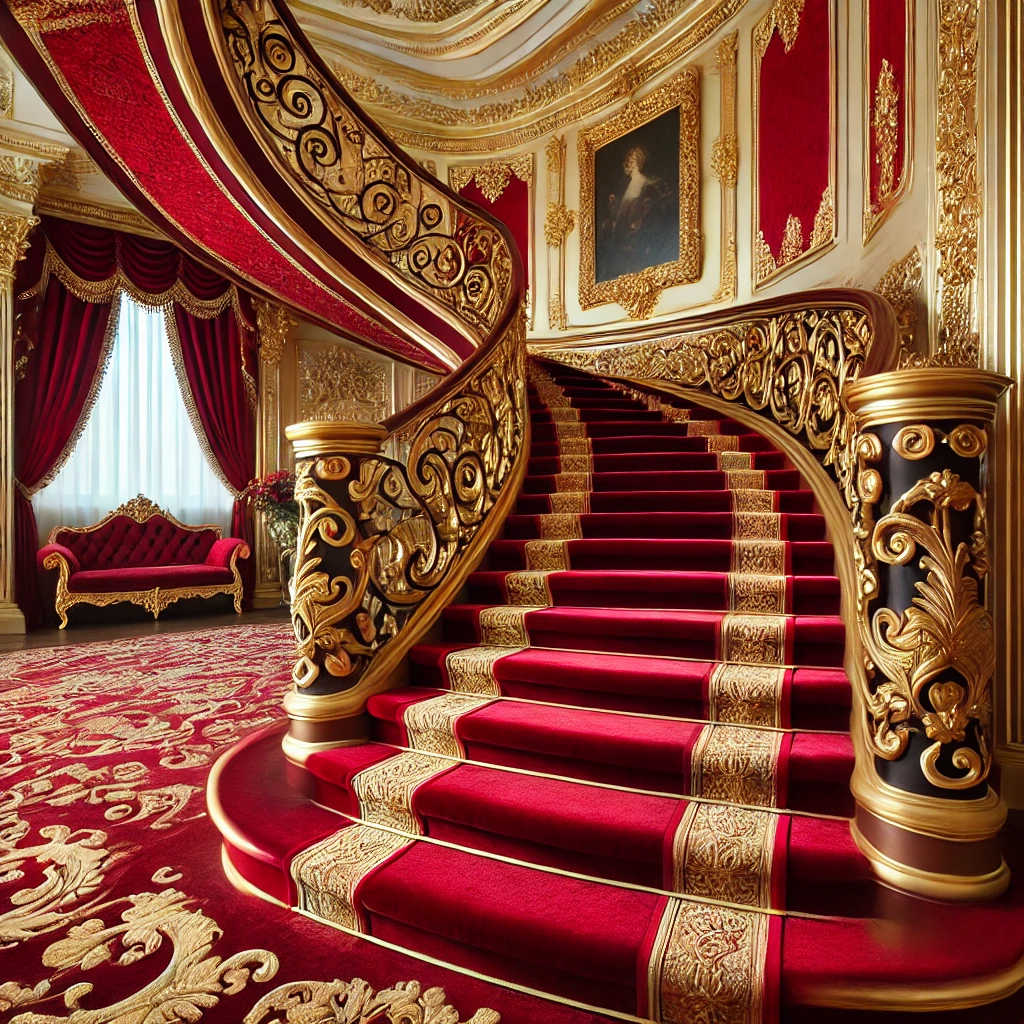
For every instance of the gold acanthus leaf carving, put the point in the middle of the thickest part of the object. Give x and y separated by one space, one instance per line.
337 383
558 223
937 657
784 16
886 125
493 177
900 286
274 325
355 1002
958 192
725 159
14 231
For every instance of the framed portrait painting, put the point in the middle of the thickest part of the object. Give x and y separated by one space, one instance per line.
640 199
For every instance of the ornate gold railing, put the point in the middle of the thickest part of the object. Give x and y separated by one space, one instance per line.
897 463
385 540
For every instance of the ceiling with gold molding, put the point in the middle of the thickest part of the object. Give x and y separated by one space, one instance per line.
509 70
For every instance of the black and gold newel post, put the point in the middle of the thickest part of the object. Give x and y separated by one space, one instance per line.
338 618
927 816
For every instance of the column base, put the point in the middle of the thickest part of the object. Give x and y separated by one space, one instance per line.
12 621
267 595
306 736
946 869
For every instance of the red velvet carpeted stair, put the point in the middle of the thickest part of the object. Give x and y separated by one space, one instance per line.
622 774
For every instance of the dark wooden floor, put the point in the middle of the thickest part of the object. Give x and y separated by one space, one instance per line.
90 632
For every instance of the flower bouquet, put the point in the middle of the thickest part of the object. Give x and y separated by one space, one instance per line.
274 496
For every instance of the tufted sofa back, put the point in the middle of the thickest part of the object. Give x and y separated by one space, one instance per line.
124 543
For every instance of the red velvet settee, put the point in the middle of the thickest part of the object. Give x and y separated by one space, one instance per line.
142 554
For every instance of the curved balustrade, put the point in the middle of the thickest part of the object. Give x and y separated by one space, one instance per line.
896 460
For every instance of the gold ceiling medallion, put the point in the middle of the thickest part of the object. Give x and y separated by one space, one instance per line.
623 202
958 191
882 117
900 286
492 178
353 180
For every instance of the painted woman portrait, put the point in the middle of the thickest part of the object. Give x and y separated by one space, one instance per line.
636 194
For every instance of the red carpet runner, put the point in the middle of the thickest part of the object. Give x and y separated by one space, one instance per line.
621 775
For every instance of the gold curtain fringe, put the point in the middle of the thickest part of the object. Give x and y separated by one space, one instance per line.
104 291
174 341
94 393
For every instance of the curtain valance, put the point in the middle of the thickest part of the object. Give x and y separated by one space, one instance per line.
95 263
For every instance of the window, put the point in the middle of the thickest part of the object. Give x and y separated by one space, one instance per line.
137 440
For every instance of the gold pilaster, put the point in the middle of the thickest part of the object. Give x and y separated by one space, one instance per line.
22 159
275 326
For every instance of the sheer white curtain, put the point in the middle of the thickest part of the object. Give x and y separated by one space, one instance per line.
138 440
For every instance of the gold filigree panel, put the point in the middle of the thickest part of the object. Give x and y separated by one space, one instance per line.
337 383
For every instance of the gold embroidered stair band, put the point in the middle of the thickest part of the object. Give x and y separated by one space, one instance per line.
505 626
701 428
754 593
472 670
564 429
430 724
724 853
723 443
757 526
746 694
744 479
759 557
327 874
737 765
576 463
560 527
733 462
573 482
566 413
575 446
385 789
569 502
708 965
754 639
529 588
752 500
547 554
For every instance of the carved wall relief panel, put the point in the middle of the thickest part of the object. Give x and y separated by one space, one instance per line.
888 107
337 383
794 95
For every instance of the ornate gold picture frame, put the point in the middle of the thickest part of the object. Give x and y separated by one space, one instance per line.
638 291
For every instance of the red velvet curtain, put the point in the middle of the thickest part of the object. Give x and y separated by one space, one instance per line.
79 269
217 356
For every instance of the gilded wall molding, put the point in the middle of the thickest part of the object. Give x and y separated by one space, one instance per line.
900 286
558 224
425 124
725 167
958 194
68 205
492 178
638 293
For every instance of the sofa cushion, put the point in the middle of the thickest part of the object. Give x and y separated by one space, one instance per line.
124 543
167 577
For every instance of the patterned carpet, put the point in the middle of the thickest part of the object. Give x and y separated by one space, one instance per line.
114 907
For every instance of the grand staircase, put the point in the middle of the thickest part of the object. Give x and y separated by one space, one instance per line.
640 696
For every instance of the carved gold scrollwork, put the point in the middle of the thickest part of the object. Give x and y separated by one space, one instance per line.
916 442
401 527
937 656
440 248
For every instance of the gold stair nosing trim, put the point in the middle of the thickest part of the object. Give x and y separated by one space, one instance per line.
752 592
745 479
472 670
574 503
746 695
759 557
555 526
430 724
505 625
385 789
547 554
725 853
757 526
732 462
736 765
751 500
754 639
327 874
708 964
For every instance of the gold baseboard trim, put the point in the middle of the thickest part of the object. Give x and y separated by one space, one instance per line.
12 621
932 884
